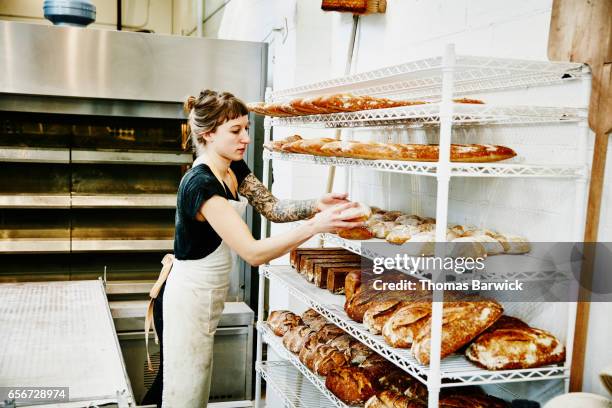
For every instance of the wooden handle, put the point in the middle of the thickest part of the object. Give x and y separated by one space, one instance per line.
590 235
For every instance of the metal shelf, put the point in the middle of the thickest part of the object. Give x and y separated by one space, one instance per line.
318 381
91 245
124 201
289 384
127 245
132 157
35 201
429 115
524 267
34 155
499 169
423 78
25 246
87 201
455 367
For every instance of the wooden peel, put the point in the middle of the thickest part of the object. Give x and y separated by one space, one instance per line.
581 31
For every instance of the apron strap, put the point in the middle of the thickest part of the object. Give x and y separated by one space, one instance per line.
149 321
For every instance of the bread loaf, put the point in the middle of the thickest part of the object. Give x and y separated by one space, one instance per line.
307 146
310 315
351 384
400 382
511 344
336 278
296 253
401 233
357 233
514 244
277 145
326 358
358 353
281 321
405 324
390 399
376 316
412 220
461 322
361 150
295 337
351 284
321 272
307 261
381 229
308 266
343 343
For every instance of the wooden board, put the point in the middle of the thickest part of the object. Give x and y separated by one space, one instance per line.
581 31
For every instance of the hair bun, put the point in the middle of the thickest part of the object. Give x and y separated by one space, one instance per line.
189 104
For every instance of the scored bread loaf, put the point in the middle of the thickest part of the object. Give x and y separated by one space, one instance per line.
281 321
357 233
462 321
511 344
326 358
351 384
375 316
295 337
362 150
390 399
406 323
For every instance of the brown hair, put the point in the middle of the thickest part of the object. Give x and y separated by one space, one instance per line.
210 110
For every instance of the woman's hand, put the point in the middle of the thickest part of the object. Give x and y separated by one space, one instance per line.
331 199
337 217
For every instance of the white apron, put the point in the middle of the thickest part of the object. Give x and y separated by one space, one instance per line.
193 302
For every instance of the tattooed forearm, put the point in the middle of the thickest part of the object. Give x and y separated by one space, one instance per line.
271 207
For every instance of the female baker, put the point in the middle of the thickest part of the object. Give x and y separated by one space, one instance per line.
209 227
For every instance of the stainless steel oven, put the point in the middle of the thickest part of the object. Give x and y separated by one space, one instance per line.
92 148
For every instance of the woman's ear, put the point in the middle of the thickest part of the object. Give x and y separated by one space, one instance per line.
207 137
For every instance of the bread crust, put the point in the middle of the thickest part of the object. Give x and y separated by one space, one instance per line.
511 344
462 321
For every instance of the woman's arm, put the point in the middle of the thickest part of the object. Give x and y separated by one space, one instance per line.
231 228
283 210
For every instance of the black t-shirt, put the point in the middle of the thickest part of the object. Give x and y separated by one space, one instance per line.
195 239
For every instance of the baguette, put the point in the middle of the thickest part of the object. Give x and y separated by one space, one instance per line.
277 145
307 146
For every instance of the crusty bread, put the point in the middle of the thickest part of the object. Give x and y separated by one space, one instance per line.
405 324
277 145
462 321
307 146
512 344
357 233
281 321
391 399
351 284
295 337
361 150
351 384
401 233
327 357
321 274
336 278
376 316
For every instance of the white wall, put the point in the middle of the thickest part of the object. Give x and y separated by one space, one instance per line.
413 29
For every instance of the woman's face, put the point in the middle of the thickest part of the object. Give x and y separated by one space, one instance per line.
231 139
